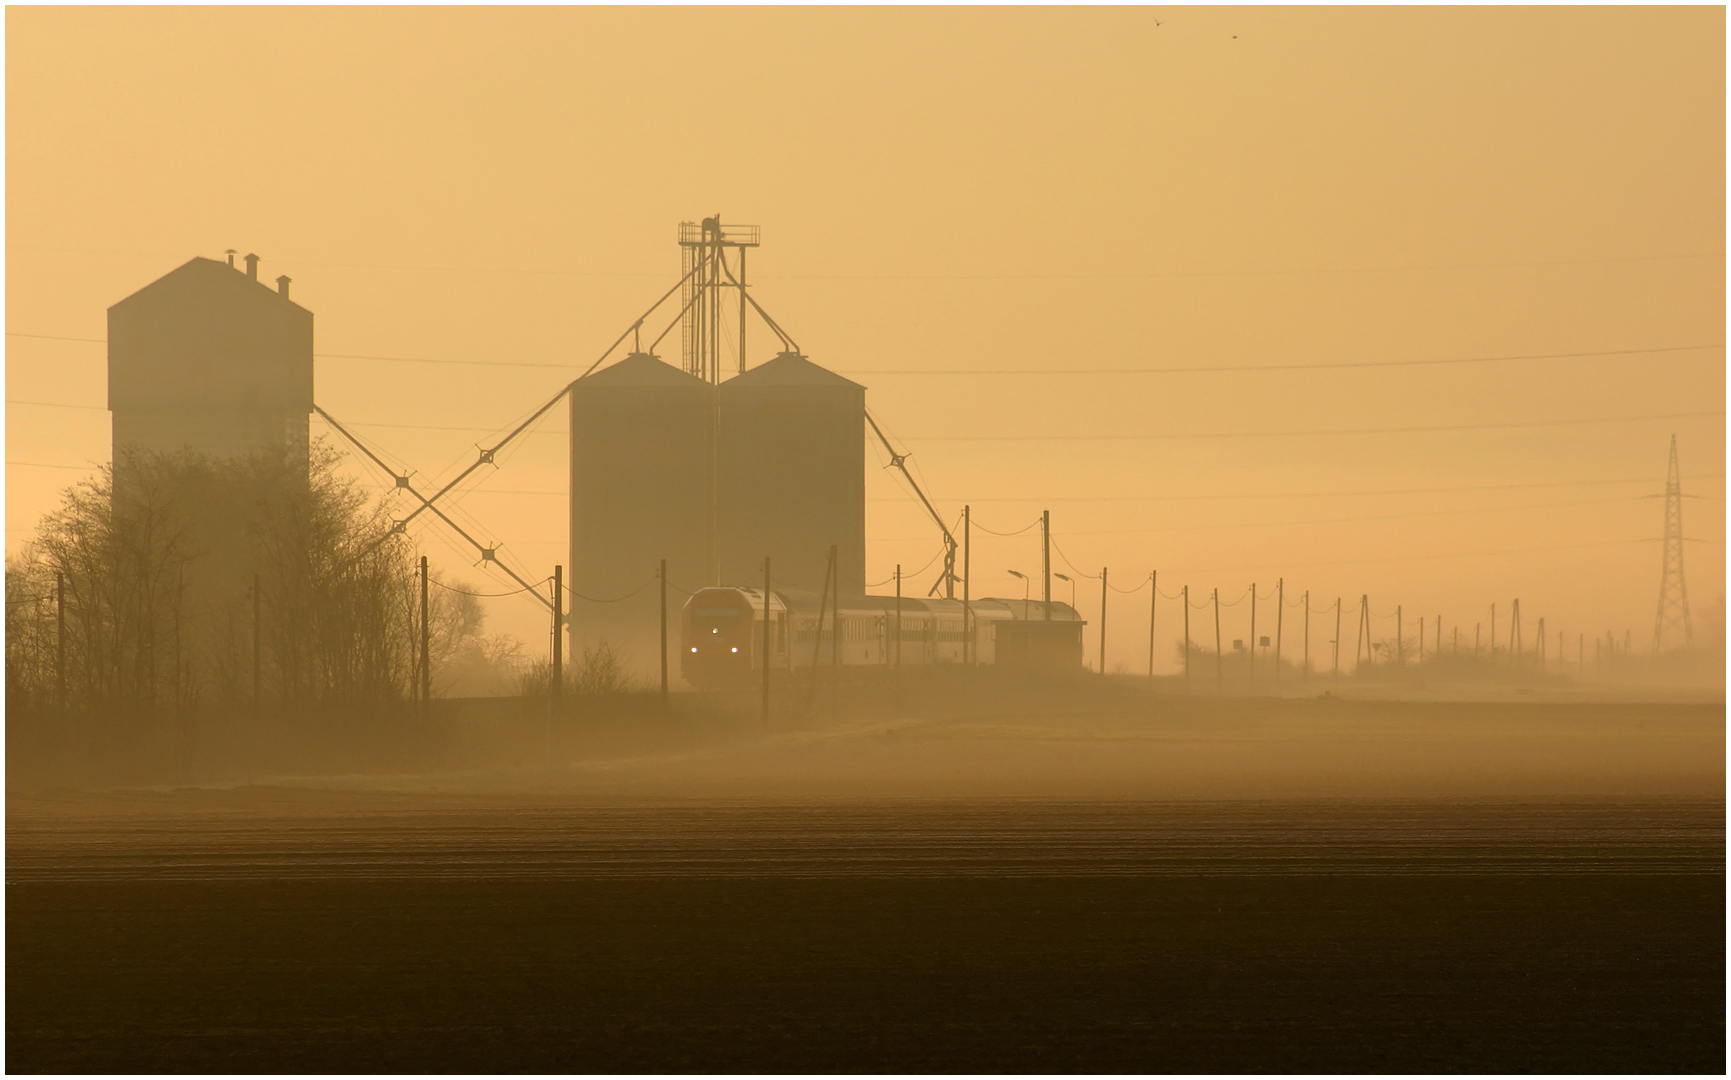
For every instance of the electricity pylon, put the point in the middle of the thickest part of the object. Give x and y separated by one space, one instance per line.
1673 593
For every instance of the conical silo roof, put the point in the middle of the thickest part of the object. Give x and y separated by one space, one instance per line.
789 369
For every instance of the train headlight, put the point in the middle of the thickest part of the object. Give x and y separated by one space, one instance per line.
694 648
736 648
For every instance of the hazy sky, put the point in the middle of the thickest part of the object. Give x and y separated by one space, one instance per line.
962 190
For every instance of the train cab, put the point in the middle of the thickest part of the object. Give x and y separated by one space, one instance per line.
721 636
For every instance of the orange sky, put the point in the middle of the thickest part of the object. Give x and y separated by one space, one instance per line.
962 190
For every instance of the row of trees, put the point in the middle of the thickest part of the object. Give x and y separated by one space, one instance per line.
177 582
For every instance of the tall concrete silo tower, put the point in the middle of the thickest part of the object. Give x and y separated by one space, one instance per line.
210 359
641 434
790 466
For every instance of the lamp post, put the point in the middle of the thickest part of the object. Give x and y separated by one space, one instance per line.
1072 581
1024 577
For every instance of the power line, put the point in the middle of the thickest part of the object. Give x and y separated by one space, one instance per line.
1142 276
1340 520
55 404
1175 370
1321 494
1417 558
1325 431
1331 366
1188 435
461 363
344 356
1158 275
57 337
440 427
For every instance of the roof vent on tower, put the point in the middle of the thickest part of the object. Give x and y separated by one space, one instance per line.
252 267
282 284
231 254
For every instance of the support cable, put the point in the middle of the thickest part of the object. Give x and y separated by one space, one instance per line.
900 461
488 554
677 319
486 456
788 344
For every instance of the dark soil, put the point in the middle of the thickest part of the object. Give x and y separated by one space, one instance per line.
1241 938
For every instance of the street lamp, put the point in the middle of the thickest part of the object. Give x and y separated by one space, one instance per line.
1072 581
1024 577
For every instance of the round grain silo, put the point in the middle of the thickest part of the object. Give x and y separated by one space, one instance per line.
790 468
641 446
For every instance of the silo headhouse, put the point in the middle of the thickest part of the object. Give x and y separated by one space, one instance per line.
209 359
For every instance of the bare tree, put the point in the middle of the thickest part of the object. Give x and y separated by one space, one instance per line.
160 555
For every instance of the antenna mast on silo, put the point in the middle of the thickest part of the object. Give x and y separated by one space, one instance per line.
1673 615
709 274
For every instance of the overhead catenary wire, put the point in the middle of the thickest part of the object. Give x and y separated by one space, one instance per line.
1014 532
1073 567
490 595
611 599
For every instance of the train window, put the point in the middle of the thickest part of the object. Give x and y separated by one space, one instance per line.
781 635
715 612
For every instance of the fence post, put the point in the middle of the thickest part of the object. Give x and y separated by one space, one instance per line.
60 639
663 576
426 649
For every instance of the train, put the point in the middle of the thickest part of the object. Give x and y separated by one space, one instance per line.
722 633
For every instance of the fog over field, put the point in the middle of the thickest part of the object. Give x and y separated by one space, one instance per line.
584 540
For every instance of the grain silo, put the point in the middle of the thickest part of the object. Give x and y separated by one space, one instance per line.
641 447
790 469
207 358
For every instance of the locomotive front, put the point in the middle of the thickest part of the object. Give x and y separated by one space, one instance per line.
717 638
